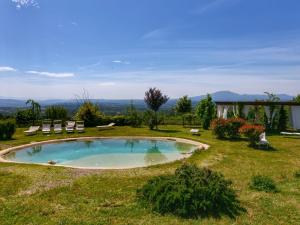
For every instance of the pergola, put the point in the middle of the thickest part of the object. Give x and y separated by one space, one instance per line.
224 107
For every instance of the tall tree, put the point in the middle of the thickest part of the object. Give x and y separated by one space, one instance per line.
183 106
206 110
34 110
154 100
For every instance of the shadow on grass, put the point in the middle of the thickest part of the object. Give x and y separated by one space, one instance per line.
167 131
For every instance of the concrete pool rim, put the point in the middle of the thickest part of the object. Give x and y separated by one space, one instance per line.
198 146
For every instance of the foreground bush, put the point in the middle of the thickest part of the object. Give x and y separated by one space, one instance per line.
191 192
7 129
252 132
263 183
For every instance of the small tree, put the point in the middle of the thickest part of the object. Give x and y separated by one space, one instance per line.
89 113
297 98
183 106
56 112
134 119
206 111
154 100
283 118
35 110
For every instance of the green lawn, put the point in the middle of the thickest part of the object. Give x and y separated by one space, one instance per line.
31 194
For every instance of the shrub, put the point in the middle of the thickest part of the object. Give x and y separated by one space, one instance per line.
23 118
219 127
89 113
7 129
206 110
252 132
191 192
297 174
263 183
56 112
233 125
120 120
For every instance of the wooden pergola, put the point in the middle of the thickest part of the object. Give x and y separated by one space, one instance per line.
224 106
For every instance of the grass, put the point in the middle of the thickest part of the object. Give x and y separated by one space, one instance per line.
32 194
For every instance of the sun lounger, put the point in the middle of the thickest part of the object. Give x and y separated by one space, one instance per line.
32 130
290 133
57 128
70 126
80 126
194 131
46 128
104 127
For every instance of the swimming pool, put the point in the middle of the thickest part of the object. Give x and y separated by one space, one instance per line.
105 153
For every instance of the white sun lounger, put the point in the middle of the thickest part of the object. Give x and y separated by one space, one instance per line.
104 127
46 128
57 128
194 131
70 126
290 133
80 126
32 130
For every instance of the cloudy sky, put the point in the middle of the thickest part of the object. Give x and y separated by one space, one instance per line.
119 48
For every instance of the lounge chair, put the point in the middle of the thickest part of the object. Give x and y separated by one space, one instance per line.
290 133
263 140
80 126
32 130
46 128
57 127
70 126
105 127
194 131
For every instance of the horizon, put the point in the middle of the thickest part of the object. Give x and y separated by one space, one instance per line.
118 49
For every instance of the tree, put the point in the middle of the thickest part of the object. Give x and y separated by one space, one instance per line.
206 111
35 110
183 106
89 113
270 122
297 98
133 116
283 119
56 112
154 100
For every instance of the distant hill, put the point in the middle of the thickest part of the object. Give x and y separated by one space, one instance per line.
114 106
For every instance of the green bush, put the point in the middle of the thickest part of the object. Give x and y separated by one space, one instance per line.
297 174
232 127
219 127
56 112
120 120
7 129
263 183
191 192
24 118
89 113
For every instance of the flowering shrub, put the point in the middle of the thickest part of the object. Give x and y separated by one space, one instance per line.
252 132
233 125
227 128
219 127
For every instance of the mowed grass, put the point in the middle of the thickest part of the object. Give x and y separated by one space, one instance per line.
32 194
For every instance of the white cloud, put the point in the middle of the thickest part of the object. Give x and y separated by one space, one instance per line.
120 62
49 74
107 84
25 3
7 69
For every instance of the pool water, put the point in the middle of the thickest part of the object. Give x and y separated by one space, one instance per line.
104 153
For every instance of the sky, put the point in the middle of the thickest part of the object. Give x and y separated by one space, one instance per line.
116 49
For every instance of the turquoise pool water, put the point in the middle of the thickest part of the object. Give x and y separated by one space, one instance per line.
104 153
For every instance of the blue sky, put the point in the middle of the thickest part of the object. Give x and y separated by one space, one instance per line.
119 48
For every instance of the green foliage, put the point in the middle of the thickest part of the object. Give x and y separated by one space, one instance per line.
133 116
7 129
120 120
183 106
206 110
271 123
191 192
154 99
34 110
89 113
297 99
263 183
252 132
227 128
56 112
283 119
23 117
297 174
